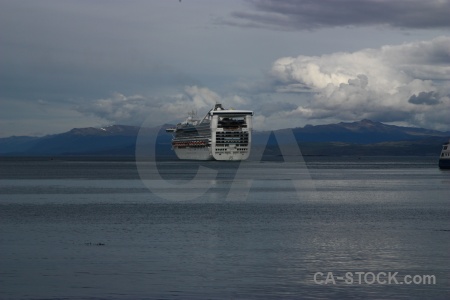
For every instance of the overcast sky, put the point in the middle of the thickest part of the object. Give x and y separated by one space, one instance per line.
66 64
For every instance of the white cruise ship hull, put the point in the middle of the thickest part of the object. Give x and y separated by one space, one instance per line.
203 153
229 153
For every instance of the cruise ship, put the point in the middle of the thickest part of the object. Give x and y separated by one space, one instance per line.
222 134
444 159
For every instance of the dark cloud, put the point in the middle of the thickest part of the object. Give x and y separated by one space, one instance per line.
269 108
387 116
311 14
426 98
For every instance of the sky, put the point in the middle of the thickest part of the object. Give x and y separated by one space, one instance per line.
80 63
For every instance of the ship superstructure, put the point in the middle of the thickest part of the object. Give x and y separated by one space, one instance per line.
444 159
222 134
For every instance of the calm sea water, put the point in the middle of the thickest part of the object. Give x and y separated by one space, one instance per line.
99 229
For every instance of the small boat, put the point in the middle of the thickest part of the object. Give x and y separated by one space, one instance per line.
444 159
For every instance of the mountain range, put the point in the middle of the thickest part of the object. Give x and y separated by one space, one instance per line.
364 137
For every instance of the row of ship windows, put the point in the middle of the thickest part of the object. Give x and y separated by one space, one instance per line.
231 133
217 145
226 149
445 154
191 146
233 153
230 127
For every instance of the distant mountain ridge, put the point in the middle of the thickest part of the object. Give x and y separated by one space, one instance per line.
362 132
77 141
112 130
364 137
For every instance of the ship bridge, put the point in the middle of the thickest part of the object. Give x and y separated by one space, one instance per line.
231 134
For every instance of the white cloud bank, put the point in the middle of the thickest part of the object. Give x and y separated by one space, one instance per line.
135 109
408 83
